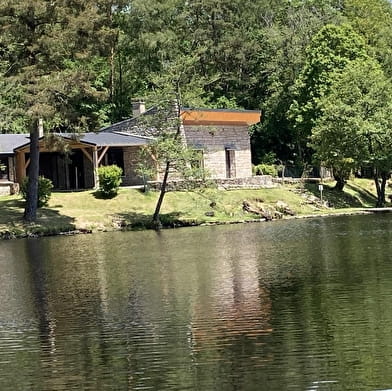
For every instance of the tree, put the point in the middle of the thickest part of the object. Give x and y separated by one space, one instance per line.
355 127
373 20
48 45
284 40
174 89
329 52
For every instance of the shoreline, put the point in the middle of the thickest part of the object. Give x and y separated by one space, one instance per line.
74 213
36 232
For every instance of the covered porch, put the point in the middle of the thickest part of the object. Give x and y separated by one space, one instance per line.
76 167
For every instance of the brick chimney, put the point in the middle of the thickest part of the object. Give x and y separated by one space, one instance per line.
138 108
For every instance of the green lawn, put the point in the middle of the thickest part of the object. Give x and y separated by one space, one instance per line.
133 208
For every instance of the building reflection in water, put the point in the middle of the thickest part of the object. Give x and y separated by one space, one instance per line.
236 308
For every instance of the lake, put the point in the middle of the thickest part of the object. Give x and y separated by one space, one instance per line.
288 305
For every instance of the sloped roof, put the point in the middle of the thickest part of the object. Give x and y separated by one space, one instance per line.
11 142
111 139
132 126
8 142
190 116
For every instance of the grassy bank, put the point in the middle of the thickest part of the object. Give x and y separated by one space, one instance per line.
132 209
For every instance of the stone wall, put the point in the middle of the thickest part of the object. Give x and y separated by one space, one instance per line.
214 141
130 177
7 188
254 182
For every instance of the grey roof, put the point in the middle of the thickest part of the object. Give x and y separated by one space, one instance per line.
8 142
133 126
111 139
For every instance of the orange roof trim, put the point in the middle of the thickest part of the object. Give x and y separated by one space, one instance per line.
220 117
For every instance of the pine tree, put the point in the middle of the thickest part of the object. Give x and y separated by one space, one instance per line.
48 46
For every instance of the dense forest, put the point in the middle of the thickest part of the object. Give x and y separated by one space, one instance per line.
306 64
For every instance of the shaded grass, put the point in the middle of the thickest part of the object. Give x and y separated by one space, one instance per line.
49 222
133 209
357 193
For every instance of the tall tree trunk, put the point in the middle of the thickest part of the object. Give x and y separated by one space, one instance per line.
30 213
340 182
112 70
380 188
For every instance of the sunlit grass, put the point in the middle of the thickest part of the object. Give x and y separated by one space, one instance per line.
133 208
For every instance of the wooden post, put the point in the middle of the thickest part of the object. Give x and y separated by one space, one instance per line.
20 166
95 167
67 181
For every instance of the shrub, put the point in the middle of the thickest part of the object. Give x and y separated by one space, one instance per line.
265 169
109 180
45 187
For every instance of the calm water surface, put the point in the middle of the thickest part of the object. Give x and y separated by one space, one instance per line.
297 305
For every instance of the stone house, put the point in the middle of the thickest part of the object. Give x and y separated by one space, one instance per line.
221 136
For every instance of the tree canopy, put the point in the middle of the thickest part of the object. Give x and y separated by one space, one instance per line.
354 128
77 65
330 51
50 50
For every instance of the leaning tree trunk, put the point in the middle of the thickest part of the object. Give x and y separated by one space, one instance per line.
155 219
30 213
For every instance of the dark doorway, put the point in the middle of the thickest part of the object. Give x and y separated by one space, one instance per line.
115 156
48 167
230 163
75 170
65 171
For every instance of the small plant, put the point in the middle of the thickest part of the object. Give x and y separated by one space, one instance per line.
109 180
45 187
265 169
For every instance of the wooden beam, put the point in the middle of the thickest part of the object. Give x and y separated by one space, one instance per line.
102 154
95 167
27 163
88 156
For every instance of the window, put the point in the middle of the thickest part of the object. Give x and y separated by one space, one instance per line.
230 163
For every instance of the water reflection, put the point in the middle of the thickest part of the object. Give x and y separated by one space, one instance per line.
302 305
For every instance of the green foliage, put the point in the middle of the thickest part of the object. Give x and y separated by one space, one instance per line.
373 20
45 187
355 126
79 64
109 180
329 53
265 169
269 158
146 166
185 163
54 54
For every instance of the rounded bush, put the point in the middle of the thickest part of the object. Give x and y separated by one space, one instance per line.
45 187
109 180
265 169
